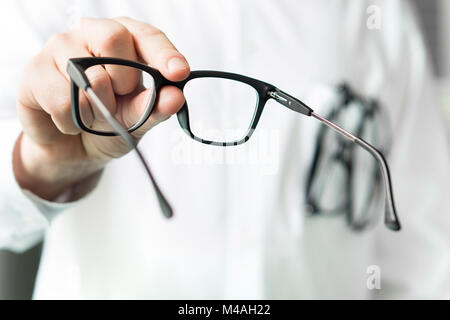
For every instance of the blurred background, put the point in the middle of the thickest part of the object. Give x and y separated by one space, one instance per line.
18 271
434 17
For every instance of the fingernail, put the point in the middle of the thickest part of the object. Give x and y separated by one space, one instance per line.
176 64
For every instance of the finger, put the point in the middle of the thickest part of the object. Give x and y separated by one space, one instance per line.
170 101
51 95
155 48
64 47
37 124
132 108
109 38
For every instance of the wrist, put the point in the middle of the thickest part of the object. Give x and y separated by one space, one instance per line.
49 170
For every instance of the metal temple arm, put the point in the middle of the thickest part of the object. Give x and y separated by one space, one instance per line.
390 215
163 203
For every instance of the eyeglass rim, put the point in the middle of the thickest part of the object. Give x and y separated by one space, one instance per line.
262 89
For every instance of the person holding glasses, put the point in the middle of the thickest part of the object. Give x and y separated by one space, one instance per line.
104 87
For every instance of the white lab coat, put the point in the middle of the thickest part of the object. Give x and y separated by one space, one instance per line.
240 229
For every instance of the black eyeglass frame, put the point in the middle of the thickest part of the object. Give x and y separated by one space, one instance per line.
262 88
76 68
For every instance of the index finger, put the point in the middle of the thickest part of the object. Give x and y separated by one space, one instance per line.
155 48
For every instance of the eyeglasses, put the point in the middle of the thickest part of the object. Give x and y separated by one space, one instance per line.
342 178
211 97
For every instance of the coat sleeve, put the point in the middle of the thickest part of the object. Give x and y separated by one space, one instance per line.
24 217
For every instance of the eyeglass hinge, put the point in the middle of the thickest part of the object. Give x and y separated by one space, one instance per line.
290 102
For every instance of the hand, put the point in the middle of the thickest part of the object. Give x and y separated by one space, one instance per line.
52 154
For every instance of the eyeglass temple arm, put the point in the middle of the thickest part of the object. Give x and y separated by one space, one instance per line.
163 203
79 77
390 215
